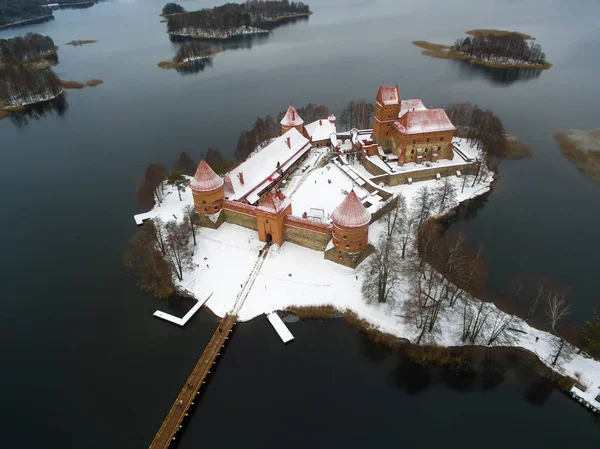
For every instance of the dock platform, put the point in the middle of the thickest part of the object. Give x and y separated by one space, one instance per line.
182 321
280 327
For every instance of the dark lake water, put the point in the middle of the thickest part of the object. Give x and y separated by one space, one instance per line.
85 365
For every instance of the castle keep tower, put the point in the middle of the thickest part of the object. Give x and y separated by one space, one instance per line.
290 120
207 190
387 109
350 226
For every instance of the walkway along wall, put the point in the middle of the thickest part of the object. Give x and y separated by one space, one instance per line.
240 214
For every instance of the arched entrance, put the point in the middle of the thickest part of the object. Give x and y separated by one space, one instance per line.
269 238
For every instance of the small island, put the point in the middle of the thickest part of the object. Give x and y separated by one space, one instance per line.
187 54
81 42
25 75
582 148
233 19
492 48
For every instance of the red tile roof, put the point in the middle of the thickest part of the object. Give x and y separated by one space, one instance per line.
351 213
291 117
389 95
275 202
424 121
205 179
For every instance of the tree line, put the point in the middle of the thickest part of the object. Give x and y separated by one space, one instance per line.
506 48
357 114
266 128
30 47
221 20
156 176
11 11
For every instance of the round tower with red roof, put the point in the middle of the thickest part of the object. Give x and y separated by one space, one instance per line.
207 190
351 225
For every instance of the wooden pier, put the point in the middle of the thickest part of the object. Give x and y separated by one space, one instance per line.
172 423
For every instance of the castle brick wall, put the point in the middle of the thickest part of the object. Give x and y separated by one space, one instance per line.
308 233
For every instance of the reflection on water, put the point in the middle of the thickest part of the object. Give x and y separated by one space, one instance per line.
37 111
195 66
505 76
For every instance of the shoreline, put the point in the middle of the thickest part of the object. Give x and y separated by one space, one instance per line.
26 22
582 149
441 51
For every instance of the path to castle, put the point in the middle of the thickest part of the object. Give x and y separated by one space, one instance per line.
185 399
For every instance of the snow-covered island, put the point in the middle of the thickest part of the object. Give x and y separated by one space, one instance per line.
232 19
492 48
347 225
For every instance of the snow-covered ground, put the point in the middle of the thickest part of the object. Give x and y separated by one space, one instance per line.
317 192
292 275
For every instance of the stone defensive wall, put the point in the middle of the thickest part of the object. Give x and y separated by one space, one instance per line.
301 231
240 214
393 179
308 233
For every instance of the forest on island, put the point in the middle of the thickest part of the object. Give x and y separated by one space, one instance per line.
505 48
28 48
20 82
228 19
14 11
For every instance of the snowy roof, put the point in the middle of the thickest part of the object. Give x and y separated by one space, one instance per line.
331 118
388 95
425 121
351 213
257 169
413 104
320 130
291 117
274 202
205 179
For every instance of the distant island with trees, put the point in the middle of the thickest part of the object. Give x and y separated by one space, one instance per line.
187 54
492 48
231 19
27 12
25 74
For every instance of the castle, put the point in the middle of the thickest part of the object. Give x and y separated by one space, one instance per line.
252 194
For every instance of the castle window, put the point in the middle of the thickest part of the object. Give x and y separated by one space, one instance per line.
425 150
441 139
205 209
414 142
347 246
267 221
412 151
427 140
389 116
345 237
203 202
360 244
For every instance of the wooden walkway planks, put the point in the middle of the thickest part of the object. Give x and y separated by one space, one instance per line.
184 400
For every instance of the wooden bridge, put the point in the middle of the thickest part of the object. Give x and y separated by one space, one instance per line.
185 399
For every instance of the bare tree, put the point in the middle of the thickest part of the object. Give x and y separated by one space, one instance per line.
382 271
395 217
405 234
499 322
422 205
178 249
557 308
160 234
444 195
191 217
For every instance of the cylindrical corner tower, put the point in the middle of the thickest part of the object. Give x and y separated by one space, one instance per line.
351 225
207 190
